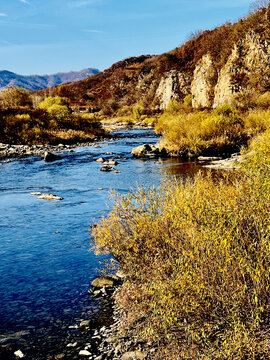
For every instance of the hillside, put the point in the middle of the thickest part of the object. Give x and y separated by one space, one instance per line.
36 82
214 66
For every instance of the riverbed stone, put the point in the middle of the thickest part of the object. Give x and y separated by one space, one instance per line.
103 281
19 354
84 324
49 197
134 355
100 160
111 162
48 156
84 353
107 168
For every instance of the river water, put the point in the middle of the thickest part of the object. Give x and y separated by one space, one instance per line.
46 266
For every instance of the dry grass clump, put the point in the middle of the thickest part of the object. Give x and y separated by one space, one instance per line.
198 258
193 133
69 136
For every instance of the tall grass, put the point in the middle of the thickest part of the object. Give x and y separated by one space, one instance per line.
198 259
200 132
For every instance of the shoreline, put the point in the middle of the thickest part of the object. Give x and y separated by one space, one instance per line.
11 151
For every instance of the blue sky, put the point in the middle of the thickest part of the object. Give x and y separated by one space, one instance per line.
48 36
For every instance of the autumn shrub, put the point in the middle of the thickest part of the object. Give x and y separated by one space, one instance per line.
197 257
53 100
257 121
138 111
198 132
47 125
14 97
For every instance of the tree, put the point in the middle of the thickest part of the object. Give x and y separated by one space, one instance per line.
14 97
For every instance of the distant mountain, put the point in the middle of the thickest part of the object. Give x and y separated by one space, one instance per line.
37 82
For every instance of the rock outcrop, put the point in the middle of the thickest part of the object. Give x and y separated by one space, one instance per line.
203 83
247 69
173 86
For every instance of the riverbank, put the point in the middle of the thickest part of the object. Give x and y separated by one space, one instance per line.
8 151
198 258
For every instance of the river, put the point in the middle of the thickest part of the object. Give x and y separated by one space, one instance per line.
46 266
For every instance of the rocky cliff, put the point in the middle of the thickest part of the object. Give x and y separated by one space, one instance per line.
215 67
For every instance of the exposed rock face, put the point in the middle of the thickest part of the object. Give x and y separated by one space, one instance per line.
247 69
225 88
171 87
203 83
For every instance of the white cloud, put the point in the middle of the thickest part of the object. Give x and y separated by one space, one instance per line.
3 14
25 2
83 3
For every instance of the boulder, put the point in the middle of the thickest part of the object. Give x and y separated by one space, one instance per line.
103 281
148 150
100 160
145 150
48 157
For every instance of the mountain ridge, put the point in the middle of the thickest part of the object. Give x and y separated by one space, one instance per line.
214 67
37 82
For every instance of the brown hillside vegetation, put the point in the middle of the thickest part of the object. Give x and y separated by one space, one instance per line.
139 79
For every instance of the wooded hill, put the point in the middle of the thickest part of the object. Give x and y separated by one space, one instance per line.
215 66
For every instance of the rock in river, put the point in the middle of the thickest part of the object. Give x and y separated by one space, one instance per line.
48 156
49 197
107 168
148 150
103 281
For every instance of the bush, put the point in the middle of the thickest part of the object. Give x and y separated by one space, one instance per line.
14 97
138 111
59 112
50 101
201 131
198 258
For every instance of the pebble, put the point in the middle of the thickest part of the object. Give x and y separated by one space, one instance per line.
19 354
84 353
84 323
72 344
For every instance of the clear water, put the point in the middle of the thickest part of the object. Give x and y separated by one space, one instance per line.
45 262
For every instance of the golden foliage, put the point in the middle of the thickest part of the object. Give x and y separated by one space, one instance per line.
198 259
195 132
